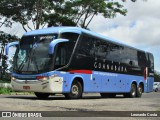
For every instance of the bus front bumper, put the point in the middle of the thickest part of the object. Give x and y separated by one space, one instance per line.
54 85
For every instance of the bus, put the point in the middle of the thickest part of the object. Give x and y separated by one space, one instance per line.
72 61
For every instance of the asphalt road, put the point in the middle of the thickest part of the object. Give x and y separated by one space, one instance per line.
89 102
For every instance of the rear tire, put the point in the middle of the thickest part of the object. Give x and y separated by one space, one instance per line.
139 90
132 93
75 92
42 95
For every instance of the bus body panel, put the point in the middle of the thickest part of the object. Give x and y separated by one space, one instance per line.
60 82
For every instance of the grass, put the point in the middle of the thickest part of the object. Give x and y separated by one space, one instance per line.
9 91
5 90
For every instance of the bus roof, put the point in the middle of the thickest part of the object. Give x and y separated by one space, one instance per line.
52 30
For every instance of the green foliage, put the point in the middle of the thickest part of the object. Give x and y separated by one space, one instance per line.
57 12
81 12
156 77
5 90
23 11
4 39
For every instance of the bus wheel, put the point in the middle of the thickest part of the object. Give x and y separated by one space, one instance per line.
132 93
75 92
139 91
42 95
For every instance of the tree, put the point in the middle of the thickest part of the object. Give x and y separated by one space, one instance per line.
61 15
132 0
35 14
25 12
156 77
5 21
4 39
81 12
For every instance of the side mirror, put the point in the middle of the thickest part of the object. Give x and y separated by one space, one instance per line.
10 45
54 43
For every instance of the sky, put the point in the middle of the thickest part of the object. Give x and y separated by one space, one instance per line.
140 28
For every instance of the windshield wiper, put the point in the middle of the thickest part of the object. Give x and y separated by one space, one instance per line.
22 63
34 60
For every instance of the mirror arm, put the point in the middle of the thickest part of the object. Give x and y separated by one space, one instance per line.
9 45
54 43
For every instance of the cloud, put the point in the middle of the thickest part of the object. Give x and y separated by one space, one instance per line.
139 28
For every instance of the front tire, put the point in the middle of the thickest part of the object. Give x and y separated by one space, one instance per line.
42 95
75 92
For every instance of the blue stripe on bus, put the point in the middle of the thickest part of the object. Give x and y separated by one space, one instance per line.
99 81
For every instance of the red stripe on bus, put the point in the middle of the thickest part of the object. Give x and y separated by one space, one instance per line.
81 71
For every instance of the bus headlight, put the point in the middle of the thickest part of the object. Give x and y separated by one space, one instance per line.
13 78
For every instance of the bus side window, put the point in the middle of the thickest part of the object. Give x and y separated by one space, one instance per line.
142 60
151 61
100 51
61 56
87 46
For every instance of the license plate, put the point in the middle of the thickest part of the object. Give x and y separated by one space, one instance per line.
26 87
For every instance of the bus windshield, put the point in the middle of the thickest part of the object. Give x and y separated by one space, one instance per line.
32 54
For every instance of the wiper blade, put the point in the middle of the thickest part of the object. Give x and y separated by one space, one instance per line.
21 65
34 60
27 58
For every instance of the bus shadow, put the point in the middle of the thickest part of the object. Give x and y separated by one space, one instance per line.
27 97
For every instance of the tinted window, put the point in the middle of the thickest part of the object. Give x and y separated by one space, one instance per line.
87 46
151 61
65 50
142 59
72 37
95 47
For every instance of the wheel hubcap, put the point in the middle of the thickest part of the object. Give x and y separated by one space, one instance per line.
140 90
133 91
75 90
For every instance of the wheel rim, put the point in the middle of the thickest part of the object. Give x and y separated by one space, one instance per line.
140 89
133 90
75 90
